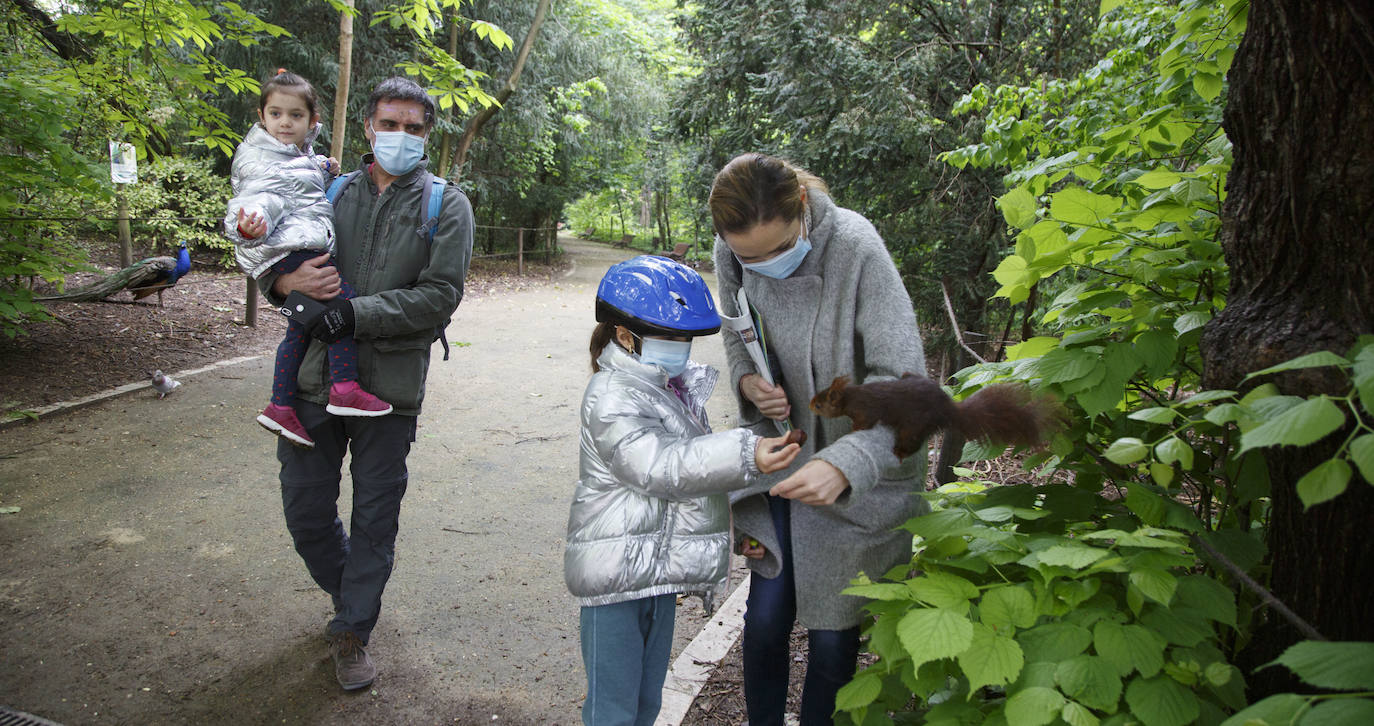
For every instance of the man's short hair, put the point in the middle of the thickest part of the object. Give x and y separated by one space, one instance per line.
399 88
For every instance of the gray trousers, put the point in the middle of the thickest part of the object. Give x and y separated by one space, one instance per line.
352 567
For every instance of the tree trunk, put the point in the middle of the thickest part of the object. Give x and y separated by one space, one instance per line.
446 147
340 127
1296 237
475 125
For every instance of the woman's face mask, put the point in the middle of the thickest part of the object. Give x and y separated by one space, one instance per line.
782 265
397 151
670 355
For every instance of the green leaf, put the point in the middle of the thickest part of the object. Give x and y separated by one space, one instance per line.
1126 450
943 590
1340 713
1033 348
1178 625
1076 205
1337 666
1174 449
1034 706
934 633
879 591
1129 647
1191 321
1076 715
991 660
1156 414
1207 85
1157 350
1006 607
1012 271
944 523
860 692
1155 584
1161 701
1109 5
1281 709
1362 453
1087 679
1209 597
1157 179
1162 474
1311 360
1054 641
1018 207
1300 425
1326 481
1075 556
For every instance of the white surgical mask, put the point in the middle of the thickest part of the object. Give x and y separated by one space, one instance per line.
670 355
397 151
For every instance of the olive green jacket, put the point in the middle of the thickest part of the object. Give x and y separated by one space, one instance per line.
406 286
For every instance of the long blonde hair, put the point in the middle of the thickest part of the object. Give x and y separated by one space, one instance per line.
756 188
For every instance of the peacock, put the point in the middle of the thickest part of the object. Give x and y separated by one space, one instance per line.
143 278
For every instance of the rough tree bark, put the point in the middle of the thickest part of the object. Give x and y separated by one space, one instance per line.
1296 234
340 127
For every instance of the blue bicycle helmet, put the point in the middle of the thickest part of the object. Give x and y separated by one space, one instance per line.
656 296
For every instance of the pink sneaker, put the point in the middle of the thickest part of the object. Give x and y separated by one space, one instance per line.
281 420
349 399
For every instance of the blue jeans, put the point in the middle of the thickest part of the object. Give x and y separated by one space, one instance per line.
771 610
352 567
625 648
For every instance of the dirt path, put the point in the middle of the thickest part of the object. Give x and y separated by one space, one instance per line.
148 577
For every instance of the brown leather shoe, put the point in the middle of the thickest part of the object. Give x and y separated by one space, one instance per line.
351 665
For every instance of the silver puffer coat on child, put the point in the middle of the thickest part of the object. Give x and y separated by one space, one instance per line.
286 186
649 516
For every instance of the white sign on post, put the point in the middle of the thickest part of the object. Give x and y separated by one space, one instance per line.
123 163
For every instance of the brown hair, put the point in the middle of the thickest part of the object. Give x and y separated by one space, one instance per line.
287 82
603 334
756 188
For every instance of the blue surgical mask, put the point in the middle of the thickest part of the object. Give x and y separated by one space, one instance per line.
784 264
397 151
670 355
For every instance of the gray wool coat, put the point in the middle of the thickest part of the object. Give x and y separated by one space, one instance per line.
844 312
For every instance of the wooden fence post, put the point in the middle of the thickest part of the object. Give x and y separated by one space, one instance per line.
250 297
520 250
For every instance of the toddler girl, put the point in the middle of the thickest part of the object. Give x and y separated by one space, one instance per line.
650 518
278 219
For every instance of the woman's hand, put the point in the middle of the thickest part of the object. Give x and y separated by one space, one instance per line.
777 453
315 278
817 483
251 224
771 400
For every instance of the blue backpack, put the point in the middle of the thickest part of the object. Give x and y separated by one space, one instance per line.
426 230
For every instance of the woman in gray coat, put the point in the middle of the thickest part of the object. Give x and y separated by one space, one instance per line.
831 303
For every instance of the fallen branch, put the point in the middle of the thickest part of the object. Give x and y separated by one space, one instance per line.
958 335
1254 586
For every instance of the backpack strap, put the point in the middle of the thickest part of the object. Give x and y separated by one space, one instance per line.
435 204
340 183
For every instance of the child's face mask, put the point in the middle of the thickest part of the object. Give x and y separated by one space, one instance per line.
670 355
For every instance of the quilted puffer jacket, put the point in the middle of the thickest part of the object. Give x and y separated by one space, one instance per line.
286 186
649 516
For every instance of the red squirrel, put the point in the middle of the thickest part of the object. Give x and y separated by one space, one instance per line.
917 407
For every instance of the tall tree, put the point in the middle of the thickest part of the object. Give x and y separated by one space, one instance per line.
1296 237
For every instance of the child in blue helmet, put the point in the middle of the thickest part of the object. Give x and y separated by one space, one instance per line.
650 518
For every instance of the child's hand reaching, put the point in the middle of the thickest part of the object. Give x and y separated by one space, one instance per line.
777 453
329 164
750 547
251 224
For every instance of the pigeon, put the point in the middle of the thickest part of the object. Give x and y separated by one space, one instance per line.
164 383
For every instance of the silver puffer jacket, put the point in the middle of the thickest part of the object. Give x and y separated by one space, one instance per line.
286 186
649 516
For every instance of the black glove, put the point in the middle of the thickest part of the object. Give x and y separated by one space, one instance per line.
336 322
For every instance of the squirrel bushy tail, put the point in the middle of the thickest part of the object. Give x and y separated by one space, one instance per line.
1008 413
